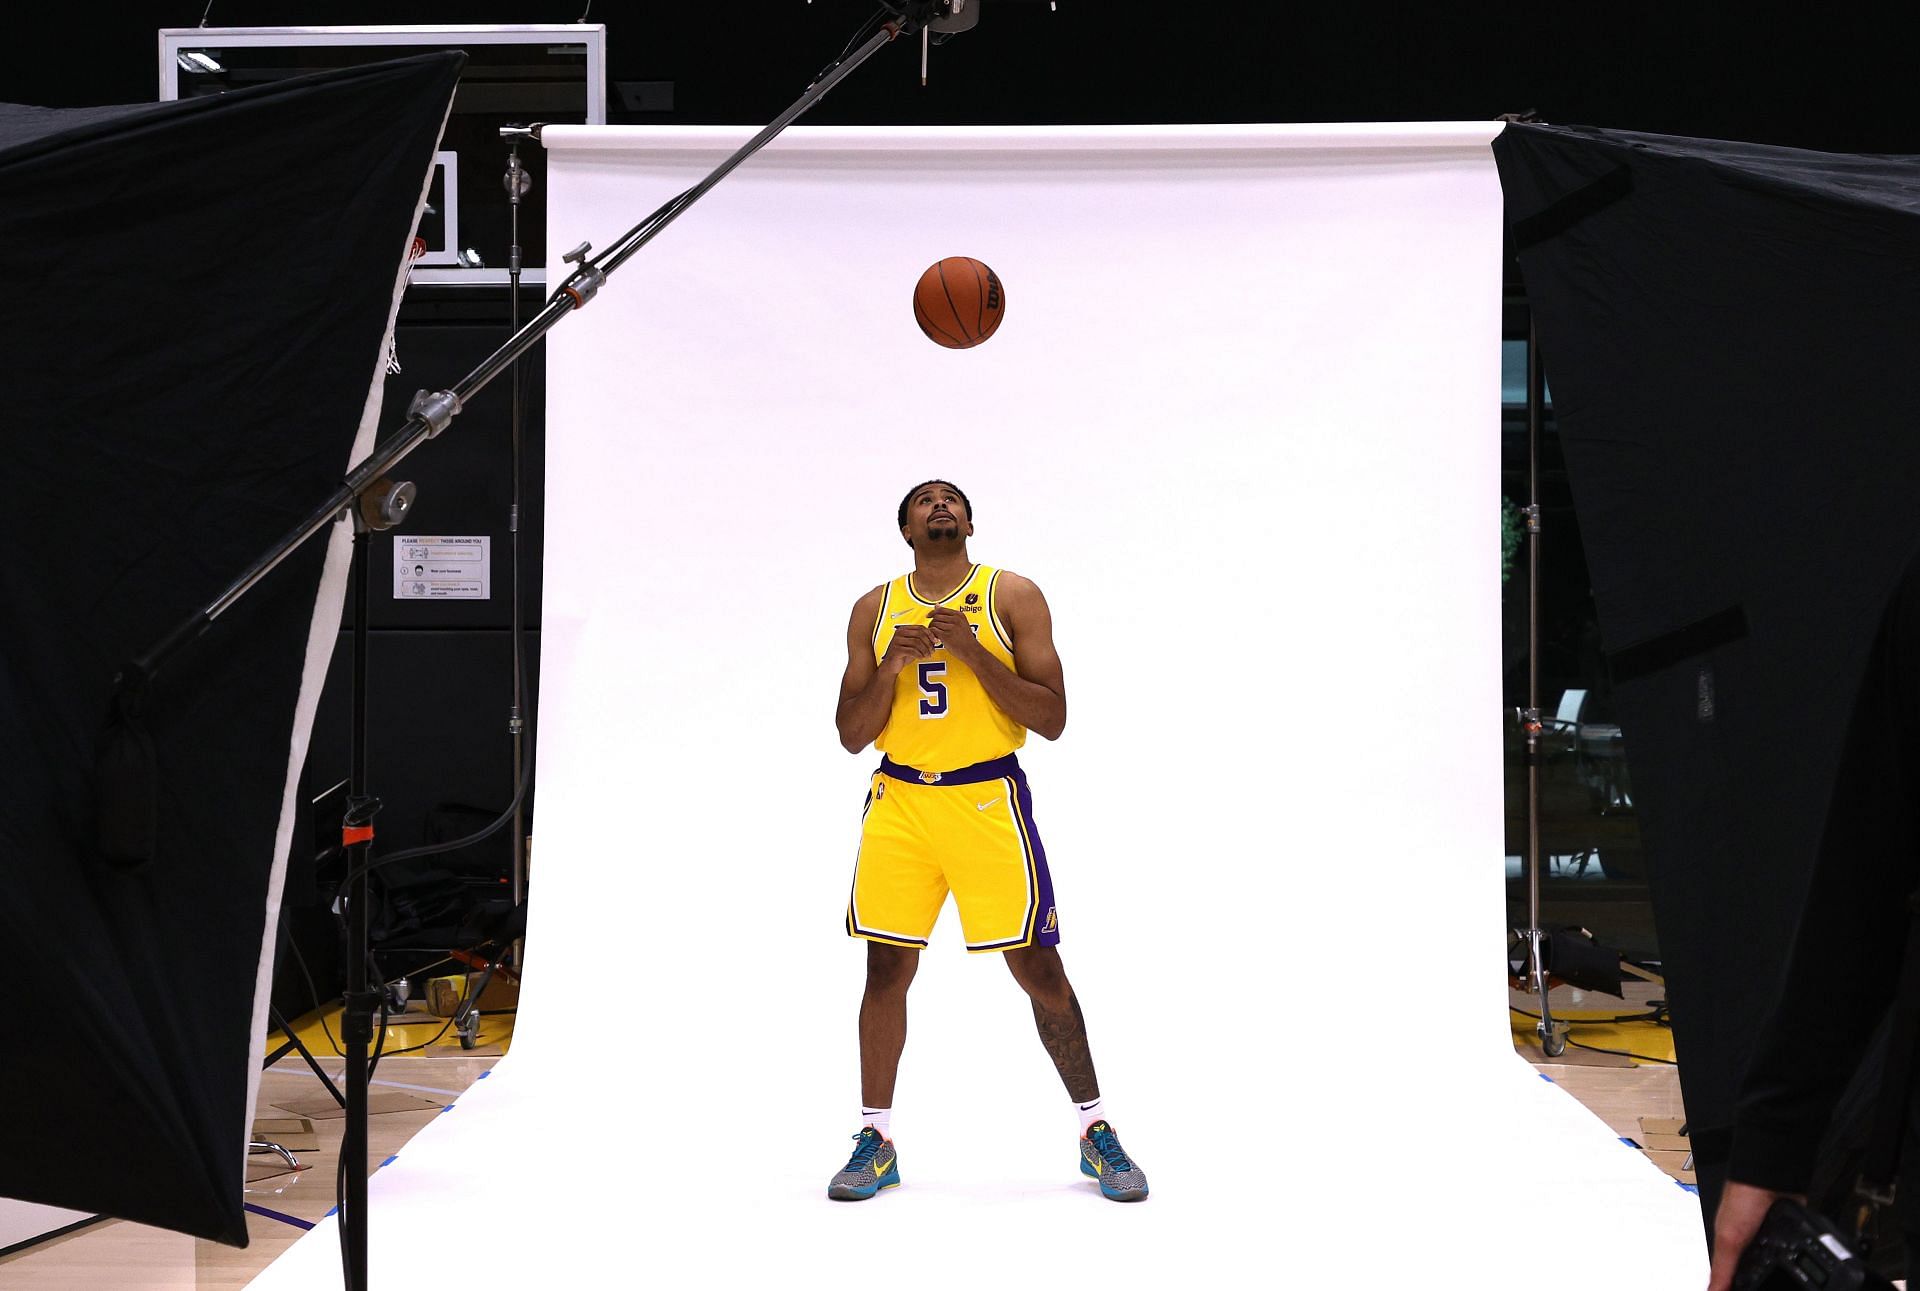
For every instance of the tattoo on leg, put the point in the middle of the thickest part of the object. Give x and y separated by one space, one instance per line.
1065 1036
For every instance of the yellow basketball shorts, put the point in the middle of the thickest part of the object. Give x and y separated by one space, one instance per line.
969 832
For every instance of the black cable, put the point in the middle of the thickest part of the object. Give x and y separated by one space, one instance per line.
374 1066
340 1211
1622 1053
450 1021
499 822
379 1041
662 214
859 38
321 1017
313 992
437 849
526 692
1657 1017
427 1043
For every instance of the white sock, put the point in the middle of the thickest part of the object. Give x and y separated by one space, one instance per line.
1089 1113
878 1117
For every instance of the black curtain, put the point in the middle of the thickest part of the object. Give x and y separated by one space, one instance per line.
198 294
1729 332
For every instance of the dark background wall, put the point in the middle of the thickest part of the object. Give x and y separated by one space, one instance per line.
1832 79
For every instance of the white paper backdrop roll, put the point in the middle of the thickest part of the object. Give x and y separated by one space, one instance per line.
1241 424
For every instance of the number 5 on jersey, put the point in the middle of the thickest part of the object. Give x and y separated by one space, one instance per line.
933 691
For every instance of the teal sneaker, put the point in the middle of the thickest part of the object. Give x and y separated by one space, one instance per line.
1102 1158
874 1165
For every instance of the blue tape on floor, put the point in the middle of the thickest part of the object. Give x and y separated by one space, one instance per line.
389 1161
274 1214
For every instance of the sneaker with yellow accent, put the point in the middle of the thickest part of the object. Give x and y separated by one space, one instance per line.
874 1165
1102 1158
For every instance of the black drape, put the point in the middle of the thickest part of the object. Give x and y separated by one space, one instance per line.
197 299
1729 332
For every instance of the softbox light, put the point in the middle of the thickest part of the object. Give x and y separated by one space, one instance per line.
201 294
1728 332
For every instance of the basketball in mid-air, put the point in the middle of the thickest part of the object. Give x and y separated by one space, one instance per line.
958 302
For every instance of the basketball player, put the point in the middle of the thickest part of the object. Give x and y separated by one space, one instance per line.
948 668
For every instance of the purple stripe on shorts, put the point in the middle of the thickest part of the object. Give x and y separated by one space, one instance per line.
1046 922
1043 926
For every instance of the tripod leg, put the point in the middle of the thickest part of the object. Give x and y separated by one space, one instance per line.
293 1042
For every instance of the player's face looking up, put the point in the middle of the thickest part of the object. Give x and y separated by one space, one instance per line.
936 513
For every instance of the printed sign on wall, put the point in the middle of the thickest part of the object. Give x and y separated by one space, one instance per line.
434 568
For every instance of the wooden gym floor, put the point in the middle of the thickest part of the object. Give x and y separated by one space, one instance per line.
1624 1092
282 1204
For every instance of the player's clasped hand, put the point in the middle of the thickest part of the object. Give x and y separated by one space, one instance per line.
951 629
910 641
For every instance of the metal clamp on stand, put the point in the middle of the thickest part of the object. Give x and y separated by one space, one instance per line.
437 410
585 282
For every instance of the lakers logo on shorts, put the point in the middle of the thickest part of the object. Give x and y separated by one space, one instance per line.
1053 920
929 777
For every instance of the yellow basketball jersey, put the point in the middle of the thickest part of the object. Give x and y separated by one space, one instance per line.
942 718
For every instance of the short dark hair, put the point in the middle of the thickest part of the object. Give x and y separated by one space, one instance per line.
902 522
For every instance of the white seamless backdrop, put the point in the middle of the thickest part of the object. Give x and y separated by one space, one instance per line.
1241 426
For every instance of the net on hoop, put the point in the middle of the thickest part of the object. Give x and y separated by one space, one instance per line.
414 252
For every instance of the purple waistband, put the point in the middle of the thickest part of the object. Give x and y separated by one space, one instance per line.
979 771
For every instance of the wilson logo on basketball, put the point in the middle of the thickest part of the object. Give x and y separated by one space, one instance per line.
958 302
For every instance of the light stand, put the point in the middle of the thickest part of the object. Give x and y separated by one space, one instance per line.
1553 1035
356 1020
517 183
126 775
